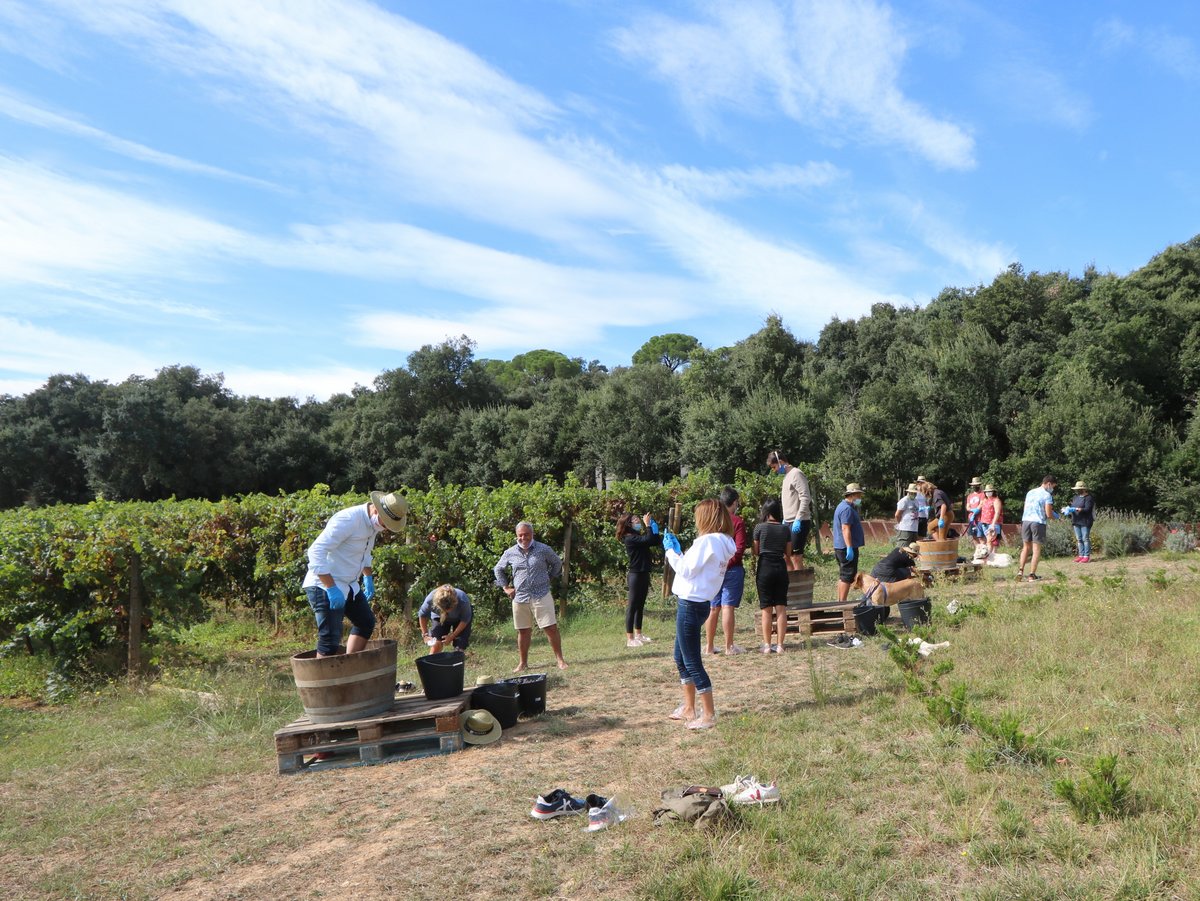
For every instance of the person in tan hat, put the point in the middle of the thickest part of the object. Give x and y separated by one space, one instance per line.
974 505
1082 511
339 557
848 537
908 513
894 578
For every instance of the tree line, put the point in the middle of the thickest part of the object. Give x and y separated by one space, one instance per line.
1089 377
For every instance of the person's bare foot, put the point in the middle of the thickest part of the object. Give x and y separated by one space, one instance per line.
681 713
562 664
521 667
702 723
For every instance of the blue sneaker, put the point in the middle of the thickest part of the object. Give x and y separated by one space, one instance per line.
558 803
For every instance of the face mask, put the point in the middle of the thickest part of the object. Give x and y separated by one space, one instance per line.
637 526
376 523
857 502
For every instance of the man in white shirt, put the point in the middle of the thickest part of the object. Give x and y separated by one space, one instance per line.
336 560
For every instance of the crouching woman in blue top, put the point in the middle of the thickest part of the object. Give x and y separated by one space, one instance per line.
445 618
698 577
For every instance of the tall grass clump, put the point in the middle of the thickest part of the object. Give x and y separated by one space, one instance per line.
1101 795
1120 532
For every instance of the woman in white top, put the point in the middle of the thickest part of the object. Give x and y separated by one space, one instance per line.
698 577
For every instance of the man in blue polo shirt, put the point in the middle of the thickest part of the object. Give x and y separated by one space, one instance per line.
1039 509
848 538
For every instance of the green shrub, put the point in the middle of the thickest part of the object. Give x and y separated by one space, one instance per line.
1006 742
1060 539
1180 540
1119 533
1101 794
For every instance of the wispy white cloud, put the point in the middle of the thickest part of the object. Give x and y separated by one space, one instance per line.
30 348
727 184
21 110
832 66
1173 51
1038 93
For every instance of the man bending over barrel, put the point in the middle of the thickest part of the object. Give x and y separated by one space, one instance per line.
342 553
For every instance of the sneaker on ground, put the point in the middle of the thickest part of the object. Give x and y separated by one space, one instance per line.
644 639
1087 559
757 793
632 643
734 649
738 784
602 812
842 642
766 649
777 649
556 804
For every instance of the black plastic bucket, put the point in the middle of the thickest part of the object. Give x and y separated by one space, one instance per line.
532 689
500 700
442 674
915 612
865 618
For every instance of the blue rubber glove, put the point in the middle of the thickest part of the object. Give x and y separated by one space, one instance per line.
671 543
849 553
797 525
337 600
368 587
653 526
941 523
923 511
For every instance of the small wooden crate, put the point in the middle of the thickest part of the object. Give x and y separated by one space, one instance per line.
414 727
822 620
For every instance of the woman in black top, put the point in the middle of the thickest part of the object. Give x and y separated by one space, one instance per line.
638 536
773 548
1082 511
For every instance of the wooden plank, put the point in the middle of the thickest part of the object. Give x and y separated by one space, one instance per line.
407 707
425 743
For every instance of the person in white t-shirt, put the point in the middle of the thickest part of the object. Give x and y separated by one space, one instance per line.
1039 509
699 575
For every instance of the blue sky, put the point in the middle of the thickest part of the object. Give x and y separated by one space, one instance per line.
297 193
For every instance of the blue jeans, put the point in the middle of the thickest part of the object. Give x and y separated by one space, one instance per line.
329 625
1083 538
690 617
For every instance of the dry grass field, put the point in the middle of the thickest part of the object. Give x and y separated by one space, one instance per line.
153 792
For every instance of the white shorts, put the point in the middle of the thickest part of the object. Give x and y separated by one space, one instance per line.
539 610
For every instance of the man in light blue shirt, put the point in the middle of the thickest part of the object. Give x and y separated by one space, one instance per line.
336 560
1039 509
848 538
532 565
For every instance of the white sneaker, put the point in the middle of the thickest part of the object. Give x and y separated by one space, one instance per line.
757 793
766 648
645 639
739 784
632 643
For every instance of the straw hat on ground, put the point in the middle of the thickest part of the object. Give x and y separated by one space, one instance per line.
479 727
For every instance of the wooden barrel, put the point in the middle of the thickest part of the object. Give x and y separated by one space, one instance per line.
347 686
800 588
937 556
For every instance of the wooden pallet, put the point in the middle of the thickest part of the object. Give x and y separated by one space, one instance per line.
822 620
963 571
414 727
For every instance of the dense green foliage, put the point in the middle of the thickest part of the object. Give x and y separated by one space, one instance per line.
65 570
1091 377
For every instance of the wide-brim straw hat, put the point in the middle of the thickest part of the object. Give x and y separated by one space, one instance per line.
912 488
987 488
1079 486
912 548
920 479
975 483
486 680
393 510
479 727
853 488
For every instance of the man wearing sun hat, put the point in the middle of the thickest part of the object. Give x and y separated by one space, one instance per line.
337 559
847 538
908 512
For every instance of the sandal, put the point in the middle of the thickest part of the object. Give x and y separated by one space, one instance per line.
677 713
700 723
1033 577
